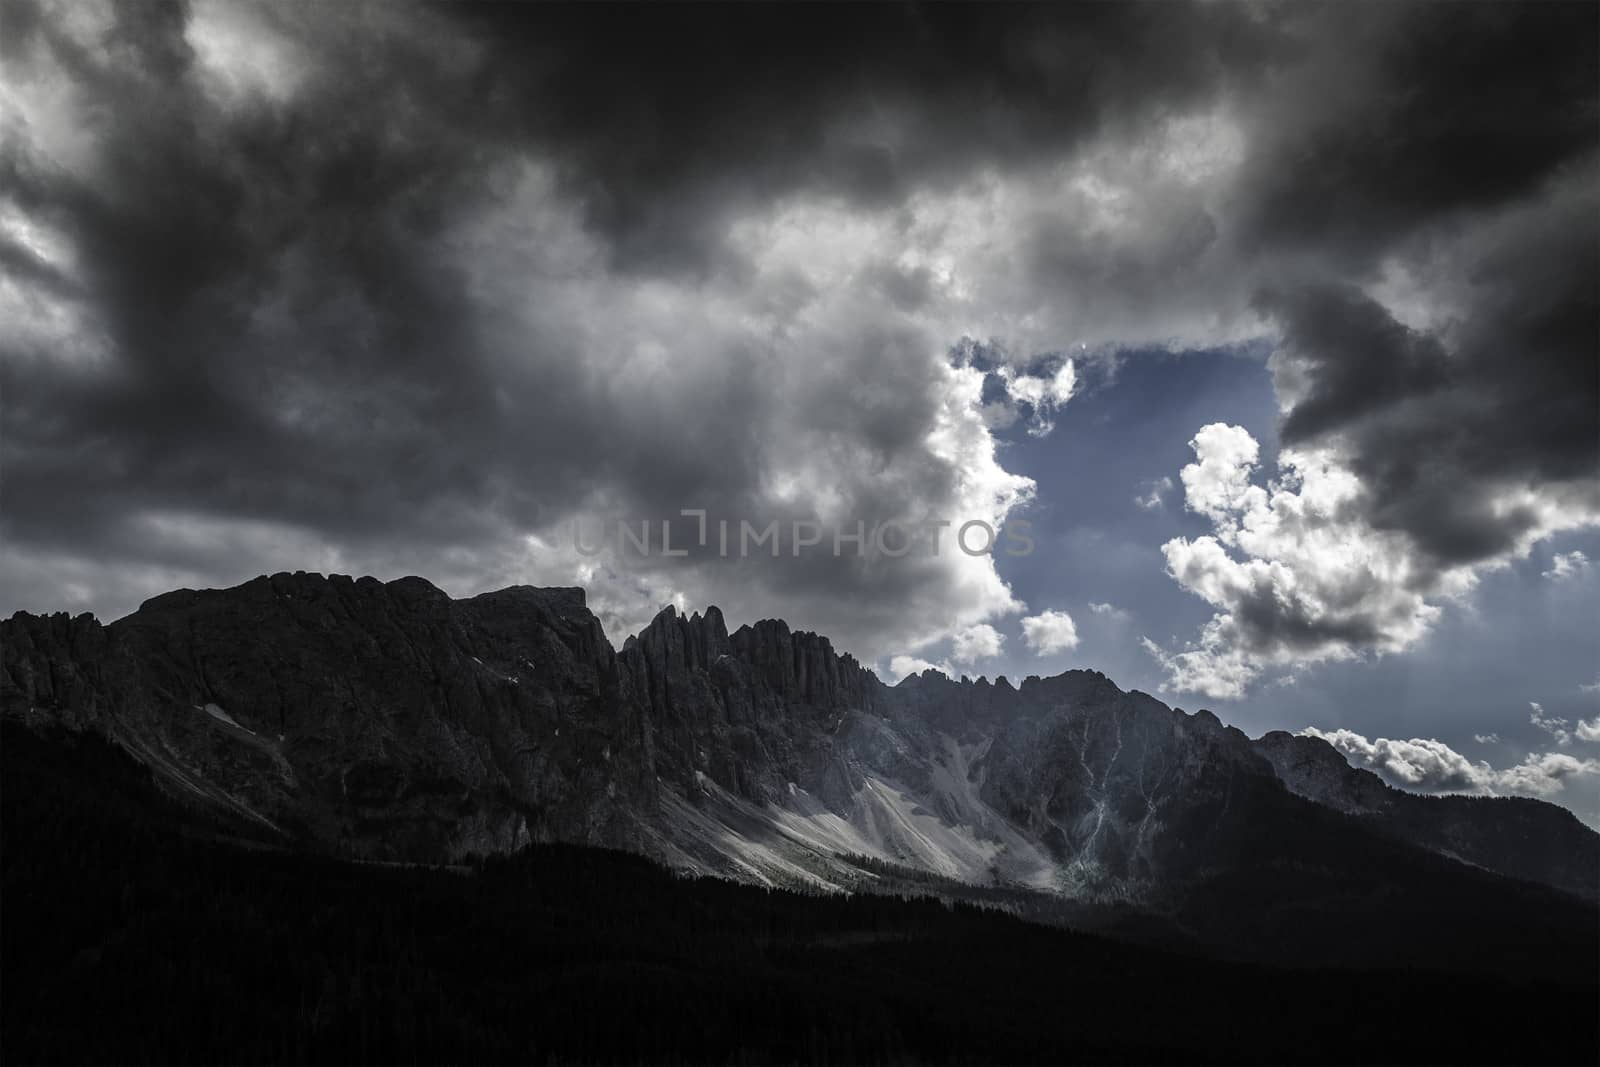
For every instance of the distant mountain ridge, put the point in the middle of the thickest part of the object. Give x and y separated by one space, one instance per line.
387 721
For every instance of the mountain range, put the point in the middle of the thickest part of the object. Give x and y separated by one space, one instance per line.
387 722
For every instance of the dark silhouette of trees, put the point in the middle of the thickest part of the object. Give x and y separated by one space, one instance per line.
135 931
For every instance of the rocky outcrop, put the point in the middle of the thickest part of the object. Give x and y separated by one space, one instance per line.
1314 769
752 711
59 669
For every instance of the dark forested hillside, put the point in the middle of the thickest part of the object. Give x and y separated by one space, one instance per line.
134 931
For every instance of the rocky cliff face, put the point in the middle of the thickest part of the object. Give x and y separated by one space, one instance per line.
380 720
752 711
387 721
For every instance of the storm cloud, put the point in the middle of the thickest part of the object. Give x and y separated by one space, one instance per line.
398 289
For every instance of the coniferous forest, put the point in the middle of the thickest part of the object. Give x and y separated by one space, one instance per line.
135 931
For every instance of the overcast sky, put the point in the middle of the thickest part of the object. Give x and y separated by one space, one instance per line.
1277 323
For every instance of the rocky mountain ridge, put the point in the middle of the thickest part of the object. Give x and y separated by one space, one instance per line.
387 721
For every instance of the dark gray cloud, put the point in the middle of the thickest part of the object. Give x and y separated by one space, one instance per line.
374 287
1414 113
1455 431
1466 158
670 117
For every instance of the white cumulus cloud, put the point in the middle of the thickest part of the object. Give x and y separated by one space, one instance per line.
1556 728
1296 573
902 667
976 642
1042 394
1151 499
1049 631
1432 766
1565 565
